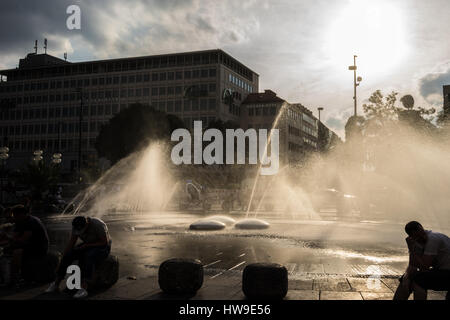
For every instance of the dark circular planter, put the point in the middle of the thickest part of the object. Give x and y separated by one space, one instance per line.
265 281
106 273
180 276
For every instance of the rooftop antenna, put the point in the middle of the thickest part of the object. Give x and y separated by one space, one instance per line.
35 46
45 45
65 56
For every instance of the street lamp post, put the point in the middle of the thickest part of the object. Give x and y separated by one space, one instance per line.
356 81
319 109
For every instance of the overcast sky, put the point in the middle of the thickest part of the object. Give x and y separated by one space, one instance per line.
300 48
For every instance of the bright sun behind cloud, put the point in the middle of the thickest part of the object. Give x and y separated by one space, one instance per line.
375 31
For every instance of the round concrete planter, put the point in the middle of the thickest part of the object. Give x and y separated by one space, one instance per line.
180 276
265 281
106 273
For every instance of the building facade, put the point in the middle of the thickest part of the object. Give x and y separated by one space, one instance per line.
299 128
41 100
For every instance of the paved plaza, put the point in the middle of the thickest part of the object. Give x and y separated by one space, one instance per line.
325 259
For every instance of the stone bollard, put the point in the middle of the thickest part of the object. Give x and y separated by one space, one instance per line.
106 273
42 270
265 281
180 276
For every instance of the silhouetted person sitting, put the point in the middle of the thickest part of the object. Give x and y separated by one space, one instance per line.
29 241
429 263
95 247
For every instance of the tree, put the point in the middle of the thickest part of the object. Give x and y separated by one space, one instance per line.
382 114
133 129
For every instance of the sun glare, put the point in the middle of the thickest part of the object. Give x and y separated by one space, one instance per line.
375 31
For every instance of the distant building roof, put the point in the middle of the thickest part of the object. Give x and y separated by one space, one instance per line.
267 96
33 60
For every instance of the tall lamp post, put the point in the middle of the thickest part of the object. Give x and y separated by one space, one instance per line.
80 91
356 81
319 109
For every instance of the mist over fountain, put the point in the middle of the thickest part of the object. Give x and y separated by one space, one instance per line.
141 182
403 178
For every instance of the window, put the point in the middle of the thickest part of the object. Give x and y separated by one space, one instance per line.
162 76
204 73
170 76
187 105
154 91
212 104
154 77
212 73
178 104
203 104
169 106
187 74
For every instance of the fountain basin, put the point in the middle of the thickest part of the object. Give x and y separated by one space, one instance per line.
206 224
252 223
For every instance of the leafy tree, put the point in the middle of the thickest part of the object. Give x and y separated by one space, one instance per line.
382 114
133 129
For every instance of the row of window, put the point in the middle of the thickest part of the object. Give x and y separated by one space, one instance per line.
52 145
294 131
309 119
310 142
262 111
310 131
105 110
203 88
267 126
293 114
240 83
113 80
51 128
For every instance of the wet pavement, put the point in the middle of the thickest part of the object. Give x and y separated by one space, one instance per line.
325 259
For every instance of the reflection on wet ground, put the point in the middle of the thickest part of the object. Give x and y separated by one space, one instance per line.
306 248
